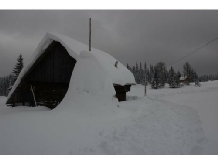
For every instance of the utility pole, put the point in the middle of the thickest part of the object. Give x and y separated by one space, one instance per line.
89 34
145 80
145 83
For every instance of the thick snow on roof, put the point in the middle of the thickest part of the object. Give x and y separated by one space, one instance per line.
182 78
118 75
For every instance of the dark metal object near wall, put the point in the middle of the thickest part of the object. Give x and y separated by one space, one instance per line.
121 91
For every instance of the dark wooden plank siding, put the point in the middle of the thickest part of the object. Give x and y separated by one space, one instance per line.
56 66
49 76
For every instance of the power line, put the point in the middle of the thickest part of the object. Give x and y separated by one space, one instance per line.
193 52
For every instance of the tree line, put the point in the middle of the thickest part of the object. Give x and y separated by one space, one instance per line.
158 75
205 78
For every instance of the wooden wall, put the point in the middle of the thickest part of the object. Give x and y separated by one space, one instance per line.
49 77
56 65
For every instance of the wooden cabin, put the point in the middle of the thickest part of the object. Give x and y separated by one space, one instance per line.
184 80
47 80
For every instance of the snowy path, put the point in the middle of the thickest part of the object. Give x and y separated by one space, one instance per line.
206 104
204 100
160 127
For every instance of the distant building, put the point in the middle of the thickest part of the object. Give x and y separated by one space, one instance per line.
184 80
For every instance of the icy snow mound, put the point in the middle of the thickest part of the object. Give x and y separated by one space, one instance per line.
91 77
120 75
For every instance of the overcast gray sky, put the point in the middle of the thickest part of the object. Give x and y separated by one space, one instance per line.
130 36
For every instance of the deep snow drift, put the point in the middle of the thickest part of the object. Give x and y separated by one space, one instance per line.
167 121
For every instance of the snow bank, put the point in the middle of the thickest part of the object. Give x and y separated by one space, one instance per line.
91 77
98 125
120 75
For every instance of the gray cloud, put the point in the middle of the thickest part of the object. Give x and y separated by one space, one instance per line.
130 36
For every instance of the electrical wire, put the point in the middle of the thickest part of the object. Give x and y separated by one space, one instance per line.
192 52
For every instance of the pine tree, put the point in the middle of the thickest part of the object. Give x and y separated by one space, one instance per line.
136 67
161 70
128 67
4 85
173 78
145 67
148 76
154 80
133 69
142 76
171 74
145 74
151 73
179 74
17 69
177 79
137 76
187 69
197 83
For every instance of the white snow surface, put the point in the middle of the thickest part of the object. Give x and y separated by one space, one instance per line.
91 77
120 75
166 121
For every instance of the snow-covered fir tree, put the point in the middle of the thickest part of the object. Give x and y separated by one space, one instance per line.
179 74
187 69
190 72
18 67
177 79
148 76
133 69
155 79
128 67
173 78
136 67
145 66
137 76
161 70
145 74
151 73
5 84
138 73
196 80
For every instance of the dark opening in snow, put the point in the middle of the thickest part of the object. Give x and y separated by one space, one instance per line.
121 91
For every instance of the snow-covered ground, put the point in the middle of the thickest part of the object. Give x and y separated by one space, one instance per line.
166 121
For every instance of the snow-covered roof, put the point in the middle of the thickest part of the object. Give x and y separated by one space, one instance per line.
118 75
182 78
